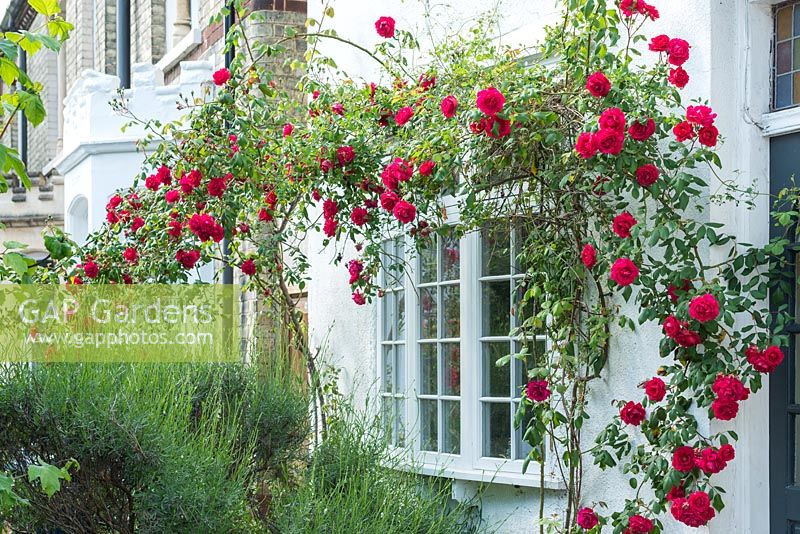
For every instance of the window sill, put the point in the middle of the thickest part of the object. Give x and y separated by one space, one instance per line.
781 122
192 40
551 482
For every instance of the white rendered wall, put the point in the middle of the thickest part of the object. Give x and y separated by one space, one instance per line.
729 65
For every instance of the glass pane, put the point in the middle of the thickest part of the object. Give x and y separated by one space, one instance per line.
399 250
497 429
388 366
427 316
522 311
451 355
521 234
427 264
451 312
400 426
796 87
387 403
796 53
796 22
387 303
784 57
399 300
784 23
428 364
523 448
495 244
451 412
450 258
429 425
536 350
496 380
400 368
520 376
496 308
783 91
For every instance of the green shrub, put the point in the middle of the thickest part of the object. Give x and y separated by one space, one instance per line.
355 484
161 447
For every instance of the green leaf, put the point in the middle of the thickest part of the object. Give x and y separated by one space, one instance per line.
50 476
9 72
289 31
9 245
32 106
16 262
47 8
57 247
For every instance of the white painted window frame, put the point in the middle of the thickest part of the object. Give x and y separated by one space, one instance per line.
470 464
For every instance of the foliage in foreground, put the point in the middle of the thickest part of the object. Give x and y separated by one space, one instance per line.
162 448
353 484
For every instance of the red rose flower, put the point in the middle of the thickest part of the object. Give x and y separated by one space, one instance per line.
187 258
136 223
589 256
345 155
403 115
206 228
683 131
710 461
678 51
426 169
131 256
478 127
773 356
329 228
426 81
701 115
612 119
164 174
655 389
678 77
727 452
498 128
729 387
708 136
288 128
358 298
190 181
598 85
264 215
221 77
152 182
113 202
389 199
609 141
330 208
385 27
359 216
695 511
672 290
632 413
537 390
585 146
355 268
672 326
175 229
659 43
405 212
676 492
622 224
638 524
704 308
338 108
217 186
587 519
90 269
687 338
624 272
683 459
248 267
647 175
449 106
172 196
725 410
397 171
490 101
642 132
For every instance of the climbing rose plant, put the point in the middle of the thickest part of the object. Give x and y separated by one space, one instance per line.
592 157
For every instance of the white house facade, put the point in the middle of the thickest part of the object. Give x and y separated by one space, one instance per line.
424 352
